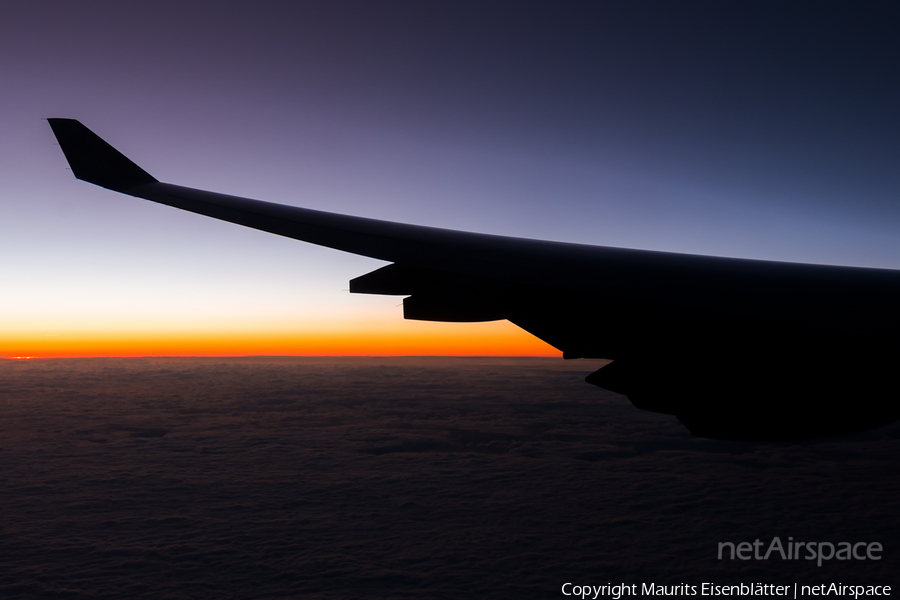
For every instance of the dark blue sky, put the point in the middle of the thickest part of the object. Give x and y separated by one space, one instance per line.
754 129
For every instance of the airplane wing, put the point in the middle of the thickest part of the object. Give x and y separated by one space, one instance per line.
735 348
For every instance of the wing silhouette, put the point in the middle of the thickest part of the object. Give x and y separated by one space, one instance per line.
735 348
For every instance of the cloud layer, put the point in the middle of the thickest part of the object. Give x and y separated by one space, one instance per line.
400 477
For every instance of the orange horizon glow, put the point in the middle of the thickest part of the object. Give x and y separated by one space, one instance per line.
499 338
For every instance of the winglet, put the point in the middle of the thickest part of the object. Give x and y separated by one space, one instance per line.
95 161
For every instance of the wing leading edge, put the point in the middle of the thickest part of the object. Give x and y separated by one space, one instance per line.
735 348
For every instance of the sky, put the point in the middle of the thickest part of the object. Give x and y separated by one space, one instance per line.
746 129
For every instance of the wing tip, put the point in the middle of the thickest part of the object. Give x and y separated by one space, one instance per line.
93 160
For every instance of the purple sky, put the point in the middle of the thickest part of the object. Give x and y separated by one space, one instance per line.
740 129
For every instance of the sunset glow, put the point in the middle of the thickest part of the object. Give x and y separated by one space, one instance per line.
404 338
